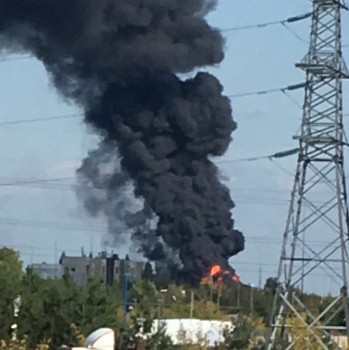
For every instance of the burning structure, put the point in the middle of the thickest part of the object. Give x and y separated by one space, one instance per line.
218 276
124 62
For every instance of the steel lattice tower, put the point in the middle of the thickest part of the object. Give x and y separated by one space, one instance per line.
316 235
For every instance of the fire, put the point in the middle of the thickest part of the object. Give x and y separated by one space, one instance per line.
215 270
236 278
217 275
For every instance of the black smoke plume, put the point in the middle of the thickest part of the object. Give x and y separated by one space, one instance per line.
121 61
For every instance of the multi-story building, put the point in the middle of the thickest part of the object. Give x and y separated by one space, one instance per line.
117 269
110 268
45 270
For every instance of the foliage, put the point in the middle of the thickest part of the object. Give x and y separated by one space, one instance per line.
247 335
13 344
303 338
270 285
11 274
201 309
58 312
138 332
147 274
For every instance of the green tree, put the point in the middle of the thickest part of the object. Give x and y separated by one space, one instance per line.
32 313
144 292
162 279
271 285
100 306
63 304
139 332
11 274
147 274
10 259
239 338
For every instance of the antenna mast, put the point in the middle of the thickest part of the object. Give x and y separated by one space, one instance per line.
319 200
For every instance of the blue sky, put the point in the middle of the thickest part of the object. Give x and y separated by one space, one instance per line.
41 219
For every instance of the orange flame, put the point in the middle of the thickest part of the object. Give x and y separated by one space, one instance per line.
215 270
236 278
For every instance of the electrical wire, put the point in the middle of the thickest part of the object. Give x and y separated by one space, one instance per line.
254 93
56 184
284 90
251 240
46 181
282 168
37 181
292 19
270 91
36 120
241 196
251 26
294 33
6 59
269 156
283 22
74 116
51 225
292 99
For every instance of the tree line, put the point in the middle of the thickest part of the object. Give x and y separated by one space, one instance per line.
56 312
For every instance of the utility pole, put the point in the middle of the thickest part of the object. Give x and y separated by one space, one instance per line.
319 200
251 300
126 283
191 304
56 259
260 277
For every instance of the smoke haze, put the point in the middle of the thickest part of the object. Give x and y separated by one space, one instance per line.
120 61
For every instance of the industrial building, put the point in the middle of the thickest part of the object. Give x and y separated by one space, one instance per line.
110 268
45 270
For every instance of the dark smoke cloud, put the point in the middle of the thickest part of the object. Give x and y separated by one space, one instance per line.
120 61
106 189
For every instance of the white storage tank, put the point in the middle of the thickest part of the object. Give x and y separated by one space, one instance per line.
101 339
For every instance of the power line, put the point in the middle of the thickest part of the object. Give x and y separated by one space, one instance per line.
51 225
269 156
6 59
283 22
253 93
252 240
74 116
284 90
268 24
50 181
251 26
276 155
270 91
294 33
244 200
36 120
56 184
37 181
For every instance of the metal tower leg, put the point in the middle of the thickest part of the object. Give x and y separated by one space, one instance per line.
316 235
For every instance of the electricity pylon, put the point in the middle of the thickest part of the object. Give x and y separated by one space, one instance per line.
315 242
